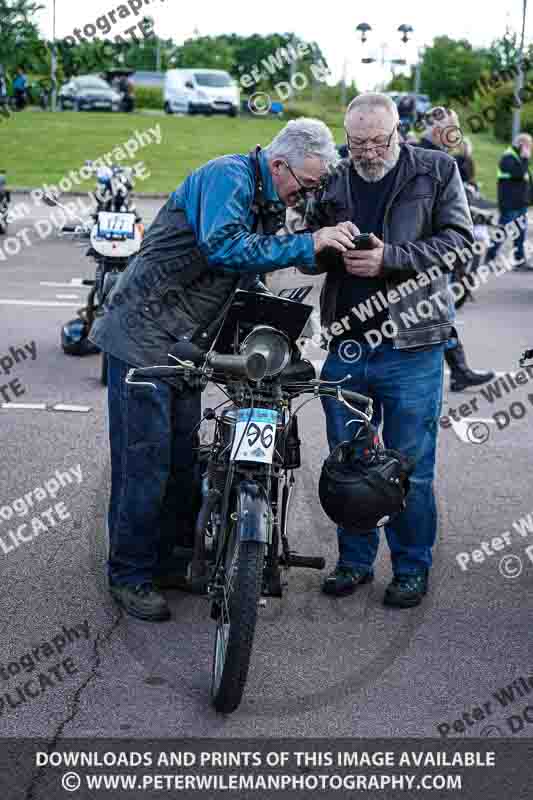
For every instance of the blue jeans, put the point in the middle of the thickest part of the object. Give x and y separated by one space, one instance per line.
406 387
151 435
505 217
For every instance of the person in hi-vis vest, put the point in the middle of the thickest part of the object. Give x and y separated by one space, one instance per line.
514 193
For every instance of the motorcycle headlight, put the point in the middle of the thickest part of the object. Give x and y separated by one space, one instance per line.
270 343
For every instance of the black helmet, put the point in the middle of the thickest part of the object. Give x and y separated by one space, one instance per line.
74 339
363 486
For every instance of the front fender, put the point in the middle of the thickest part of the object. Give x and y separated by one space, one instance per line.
254 513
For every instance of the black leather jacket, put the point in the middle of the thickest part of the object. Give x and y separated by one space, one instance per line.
426 217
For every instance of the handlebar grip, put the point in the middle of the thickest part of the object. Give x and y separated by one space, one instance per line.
68 229
158 372
355 397
252 366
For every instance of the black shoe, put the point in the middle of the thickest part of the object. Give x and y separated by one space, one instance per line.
462 376
344 580
462 380
406 589
141 601
523 266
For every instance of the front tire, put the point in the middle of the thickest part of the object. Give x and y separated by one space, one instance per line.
236 620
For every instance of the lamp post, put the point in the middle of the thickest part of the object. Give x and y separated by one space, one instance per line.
520 75
53 59
364 28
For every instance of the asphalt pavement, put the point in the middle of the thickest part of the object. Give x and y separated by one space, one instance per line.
321 667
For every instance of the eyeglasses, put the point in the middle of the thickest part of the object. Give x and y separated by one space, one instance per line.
378 143
305 189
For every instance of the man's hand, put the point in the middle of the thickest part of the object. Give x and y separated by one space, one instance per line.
365 263
339 237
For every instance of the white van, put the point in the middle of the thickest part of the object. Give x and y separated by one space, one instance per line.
201 91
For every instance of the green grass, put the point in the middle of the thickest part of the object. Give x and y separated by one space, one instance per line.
41 147
486 153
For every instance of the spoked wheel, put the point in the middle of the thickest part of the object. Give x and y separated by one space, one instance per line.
236 620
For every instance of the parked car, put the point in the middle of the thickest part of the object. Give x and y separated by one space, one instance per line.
88 93
201 91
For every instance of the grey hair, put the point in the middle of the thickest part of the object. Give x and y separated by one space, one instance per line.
303 138
368 101
521 137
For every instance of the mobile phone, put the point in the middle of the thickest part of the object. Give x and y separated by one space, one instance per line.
363 241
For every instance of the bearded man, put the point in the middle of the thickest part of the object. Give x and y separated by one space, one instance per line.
388 314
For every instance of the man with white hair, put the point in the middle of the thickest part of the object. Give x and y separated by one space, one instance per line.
387 313
443 133
213 235
514 195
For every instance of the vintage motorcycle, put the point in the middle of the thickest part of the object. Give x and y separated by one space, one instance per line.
240 541
5 199
114 237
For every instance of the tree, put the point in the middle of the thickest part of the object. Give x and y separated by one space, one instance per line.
271 55
451 69
503 53
401 83
209 52
19 36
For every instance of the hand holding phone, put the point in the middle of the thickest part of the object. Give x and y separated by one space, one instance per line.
363 241
366 259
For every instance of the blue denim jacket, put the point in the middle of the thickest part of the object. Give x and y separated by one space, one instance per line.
217 199
200 248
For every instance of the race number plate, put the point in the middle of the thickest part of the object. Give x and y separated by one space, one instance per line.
257 443
112 225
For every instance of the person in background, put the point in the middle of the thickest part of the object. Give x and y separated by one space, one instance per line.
407 112
442 134
514 194
465 162
20 88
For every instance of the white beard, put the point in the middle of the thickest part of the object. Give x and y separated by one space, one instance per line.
373 171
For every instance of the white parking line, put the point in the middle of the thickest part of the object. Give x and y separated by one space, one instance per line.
45 407
67 297
36 303
68 407
32 406
63 284
465 429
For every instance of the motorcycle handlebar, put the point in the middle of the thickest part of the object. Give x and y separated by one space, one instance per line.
76 230
354 397
252 367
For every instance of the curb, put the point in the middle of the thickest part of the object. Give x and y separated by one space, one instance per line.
146 195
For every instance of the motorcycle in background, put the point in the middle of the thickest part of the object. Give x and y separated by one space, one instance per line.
114 188
114 237
5 199
484 216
